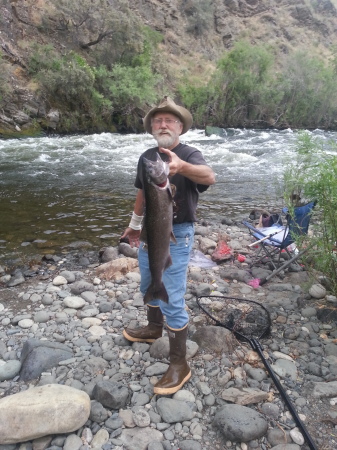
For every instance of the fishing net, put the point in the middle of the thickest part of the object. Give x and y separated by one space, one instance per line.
246 318
249 321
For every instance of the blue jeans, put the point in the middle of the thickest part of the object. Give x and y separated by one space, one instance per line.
174 278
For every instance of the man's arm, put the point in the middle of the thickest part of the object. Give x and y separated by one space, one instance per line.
131 233
139 203
200 174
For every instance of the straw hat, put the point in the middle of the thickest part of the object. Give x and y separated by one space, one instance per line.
167 105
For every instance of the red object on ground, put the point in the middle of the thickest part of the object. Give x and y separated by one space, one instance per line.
241 258
222 252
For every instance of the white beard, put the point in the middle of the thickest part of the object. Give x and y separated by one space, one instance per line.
164 140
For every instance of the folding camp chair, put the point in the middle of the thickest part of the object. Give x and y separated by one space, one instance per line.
275 240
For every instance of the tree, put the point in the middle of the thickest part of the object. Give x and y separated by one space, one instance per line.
240 84
90 23
309 91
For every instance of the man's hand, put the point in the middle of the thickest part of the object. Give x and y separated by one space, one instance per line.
175 163
201 174
132 235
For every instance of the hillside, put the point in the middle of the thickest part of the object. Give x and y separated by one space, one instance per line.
194 35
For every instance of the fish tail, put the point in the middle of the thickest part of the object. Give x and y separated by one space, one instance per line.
156 293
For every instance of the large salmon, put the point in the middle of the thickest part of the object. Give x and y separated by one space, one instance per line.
157 230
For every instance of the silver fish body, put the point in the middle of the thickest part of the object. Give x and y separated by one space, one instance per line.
157 230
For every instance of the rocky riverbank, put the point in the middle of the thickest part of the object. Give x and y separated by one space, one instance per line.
61 345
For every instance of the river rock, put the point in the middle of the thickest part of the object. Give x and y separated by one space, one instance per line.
16 279
231 273
173 411
216 339
317 291
81 286
240 424
26 323
107 254
115 269
140 438
244 396
126 250
141 417
59 281
285 368
72 442
74 302
322 390
68 275
112 395
41 411
39 356
100 438
9 370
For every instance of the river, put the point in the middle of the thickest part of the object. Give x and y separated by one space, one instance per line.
58 190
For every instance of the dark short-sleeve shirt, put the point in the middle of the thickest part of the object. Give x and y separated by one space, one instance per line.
186 191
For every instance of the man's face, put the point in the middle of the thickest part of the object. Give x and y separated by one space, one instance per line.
166 129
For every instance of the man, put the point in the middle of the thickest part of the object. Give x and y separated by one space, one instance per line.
189 175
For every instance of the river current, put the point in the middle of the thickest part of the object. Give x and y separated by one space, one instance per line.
55 191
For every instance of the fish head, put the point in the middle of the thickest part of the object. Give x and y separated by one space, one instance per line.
156 171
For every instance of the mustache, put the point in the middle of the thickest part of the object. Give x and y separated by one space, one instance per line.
160 133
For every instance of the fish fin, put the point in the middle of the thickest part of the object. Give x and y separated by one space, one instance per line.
173 238
143 235
169 192
156 294
173 189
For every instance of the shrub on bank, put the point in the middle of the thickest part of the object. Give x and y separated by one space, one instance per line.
312 175
250 88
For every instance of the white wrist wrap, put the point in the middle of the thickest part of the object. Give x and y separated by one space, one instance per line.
136 222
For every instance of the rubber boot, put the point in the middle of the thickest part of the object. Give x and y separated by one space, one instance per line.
152 331
179 371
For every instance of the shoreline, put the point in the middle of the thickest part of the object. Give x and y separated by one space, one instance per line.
301 349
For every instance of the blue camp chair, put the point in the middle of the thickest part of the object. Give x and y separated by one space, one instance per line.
274 240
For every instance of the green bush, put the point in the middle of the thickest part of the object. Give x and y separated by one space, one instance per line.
238 93
250 89
69 79
309 91
241 83
103 93
127 87
312 175
43 57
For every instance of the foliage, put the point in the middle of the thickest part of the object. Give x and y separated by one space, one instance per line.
130 86
99 92
195 98
68 80
249 88
309 91
108 26
312 175
200 14
241 83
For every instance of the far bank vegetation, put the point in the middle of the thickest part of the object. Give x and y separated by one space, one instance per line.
109 70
